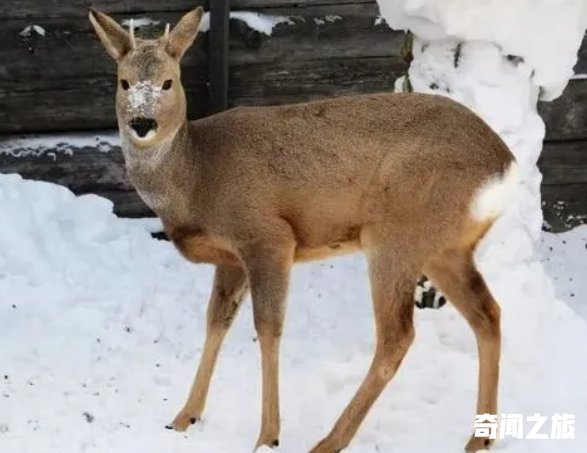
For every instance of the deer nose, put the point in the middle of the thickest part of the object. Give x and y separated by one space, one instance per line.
142 126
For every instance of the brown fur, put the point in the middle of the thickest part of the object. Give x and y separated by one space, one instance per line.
256 189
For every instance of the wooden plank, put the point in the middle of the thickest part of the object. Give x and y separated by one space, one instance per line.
218 56
43 9
564 185
60 109
296 81
241 4
76 8
564 163
566 117
67 81
314 58
316 33
564 206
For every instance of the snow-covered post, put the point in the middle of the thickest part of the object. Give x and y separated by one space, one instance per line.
498 58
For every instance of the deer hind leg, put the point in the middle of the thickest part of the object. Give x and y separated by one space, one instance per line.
229 290
392 287
456 275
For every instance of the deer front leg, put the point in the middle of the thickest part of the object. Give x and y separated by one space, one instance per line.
269 274
230 289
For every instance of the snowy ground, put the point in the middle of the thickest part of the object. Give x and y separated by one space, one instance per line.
565 260
101 328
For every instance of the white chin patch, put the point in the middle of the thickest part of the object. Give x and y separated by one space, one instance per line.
146 138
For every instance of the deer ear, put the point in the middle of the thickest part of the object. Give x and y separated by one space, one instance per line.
115 39
184 33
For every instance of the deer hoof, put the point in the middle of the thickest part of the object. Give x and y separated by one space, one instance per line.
182 421
264 443
478 444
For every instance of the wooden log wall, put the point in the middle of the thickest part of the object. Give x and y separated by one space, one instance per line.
64 81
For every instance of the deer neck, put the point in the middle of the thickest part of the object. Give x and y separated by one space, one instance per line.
165 174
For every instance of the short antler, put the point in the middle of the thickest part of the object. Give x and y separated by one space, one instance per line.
133 41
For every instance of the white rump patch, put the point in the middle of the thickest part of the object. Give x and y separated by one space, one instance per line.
492 197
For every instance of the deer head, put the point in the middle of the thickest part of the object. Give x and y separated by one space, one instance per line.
150 100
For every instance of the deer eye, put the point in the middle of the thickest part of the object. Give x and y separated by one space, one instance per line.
167 84
124 84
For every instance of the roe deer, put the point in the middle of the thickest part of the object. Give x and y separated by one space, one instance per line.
414 181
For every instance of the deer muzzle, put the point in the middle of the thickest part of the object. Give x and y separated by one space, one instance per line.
143 126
